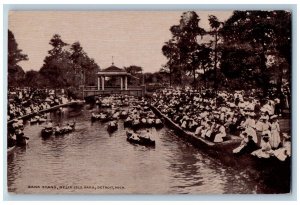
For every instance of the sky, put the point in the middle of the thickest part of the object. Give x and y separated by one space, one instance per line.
132 37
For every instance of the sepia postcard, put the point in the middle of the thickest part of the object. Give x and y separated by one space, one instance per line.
149 102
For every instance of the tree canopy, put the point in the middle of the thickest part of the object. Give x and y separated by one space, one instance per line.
252 49
250 38
67 66
15 55
182 50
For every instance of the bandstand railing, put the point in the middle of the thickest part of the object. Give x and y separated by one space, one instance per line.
138 91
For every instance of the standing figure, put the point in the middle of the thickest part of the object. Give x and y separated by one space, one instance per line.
275 129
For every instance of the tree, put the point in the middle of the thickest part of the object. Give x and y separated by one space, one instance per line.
84 67
205 61
79 59
182 49
91 69
57 69
215 26
15 55
256 34
32 79
137 72
283 48
171 51
133 69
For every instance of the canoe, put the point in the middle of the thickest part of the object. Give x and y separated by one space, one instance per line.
46 132
63 131
141 141
223 150
33 121
112 128
41 120
233 141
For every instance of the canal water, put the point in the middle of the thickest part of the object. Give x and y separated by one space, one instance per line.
90 160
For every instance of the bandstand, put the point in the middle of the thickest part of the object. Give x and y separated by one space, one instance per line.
122 88
112 71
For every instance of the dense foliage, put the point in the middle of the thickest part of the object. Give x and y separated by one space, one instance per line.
65 66
252 49
15 55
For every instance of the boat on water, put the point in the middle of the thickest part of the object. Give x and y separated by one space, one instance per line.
46 132
128 122
34 120
38 119
140 140
224 150
65 129
225 146
42 119
123 114
103 117
112 126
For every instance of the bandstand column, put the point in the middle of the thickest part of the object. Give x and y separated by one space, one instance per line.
121 82
103 79
125 82
98 83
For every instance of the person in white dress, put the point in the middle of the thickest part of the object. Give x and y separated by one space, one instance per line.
275 130
244 141
265 151
285 151
221 133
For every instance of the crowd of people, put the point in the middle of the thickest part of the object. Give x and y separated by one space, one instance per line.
22 102
216 116
27 100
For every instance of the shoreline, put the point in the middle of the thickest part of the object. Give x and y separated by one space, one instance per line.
198 141
222 151
46 110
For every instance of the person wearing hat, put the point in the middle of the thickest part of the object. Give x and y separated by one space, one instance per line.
183 124
49 124
206 128
220 133
265 151
247 145
285 151
244 141
261 126
249 122
198 130
275 130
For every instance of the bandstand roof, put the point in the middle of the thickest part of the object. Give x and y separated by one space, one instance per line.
113 71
